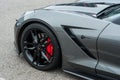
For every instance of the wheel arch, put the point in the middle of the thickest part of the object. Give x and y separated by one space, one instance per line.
31 21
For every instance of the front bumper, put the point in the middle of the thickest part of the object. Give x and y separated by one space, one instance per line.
17 28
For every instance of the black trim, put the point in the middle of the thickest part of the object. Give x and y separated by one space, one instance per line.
101 12
77 41
76 27
82 4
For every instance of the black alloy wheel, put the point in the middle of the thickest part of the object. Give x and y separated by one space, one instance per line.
40 47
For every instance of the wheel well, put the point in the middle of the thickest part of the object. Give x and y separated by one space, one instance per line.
22 29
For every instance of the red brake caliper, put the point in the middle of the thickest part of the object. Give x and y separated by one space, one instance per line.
49 49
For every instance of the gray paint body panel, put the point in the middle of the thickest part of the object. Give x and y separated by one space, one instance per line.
93 10
108 49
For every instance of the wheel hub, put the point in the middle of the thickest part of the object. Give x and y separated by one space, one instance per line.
41 46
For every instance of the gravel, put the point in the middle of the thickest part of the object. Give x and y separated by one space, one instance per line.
13 67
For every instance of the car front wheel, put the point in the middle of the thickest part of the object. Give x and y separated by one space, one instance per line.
40 47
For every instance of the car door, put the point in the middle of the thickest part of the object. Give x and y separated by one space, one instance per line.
109 52
108 45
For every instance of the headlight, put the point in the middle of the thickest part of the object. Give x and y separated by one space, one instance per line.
28 12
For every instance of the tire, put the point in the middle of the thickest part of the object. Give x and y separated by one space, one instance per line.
41 62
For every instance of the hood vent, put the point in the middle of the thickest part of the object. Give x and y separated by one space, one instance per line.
78 4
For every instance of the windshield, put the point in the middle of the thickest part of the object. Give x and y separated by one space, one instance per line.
105 1
109 12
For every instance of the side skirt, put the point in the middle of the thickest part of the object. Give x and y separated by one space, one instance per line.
79 75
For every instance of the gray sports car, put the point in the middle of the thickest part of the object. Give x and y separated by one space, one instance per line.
83 38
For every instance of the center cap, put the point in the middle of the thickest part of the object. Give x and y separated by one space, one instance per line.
38 46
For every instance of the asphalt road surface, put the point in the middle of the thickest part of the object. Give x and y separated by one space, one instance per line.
13 67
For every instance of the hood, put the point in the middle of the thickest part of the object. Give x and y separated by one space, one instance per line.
91 8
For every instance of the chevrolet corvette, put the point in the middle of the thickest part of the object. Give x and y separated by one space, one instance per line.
82 38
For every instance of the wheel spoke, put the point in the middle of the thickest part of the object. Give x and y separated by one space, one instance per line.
27 51
47 43
43 55
45 39
28 54
28 43
34 36
30 48
34 56
38 57
46 53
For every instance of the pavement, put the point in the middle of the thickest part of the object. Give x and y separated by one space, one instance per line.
13 67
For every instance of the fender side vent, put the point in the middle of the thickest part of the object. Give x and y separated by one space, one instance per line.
77 41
